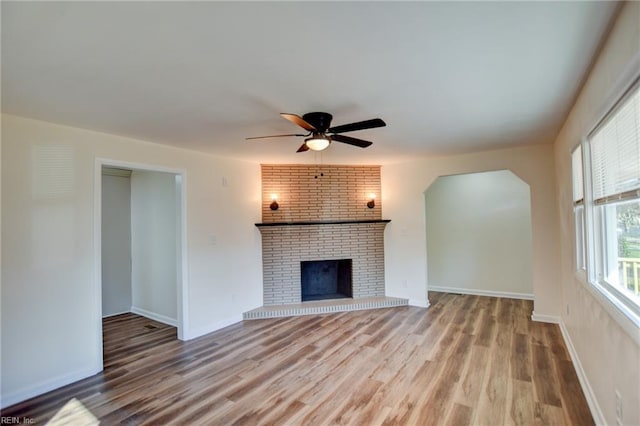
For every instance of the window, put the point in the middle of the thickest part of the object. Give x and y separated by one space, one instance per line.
578 208
614 151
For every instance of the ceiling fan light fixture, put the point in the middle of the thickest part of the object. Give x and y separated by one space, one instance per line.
317 142
321 135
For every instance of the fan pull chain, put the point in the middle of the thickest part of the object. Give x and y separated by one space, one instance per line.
319 166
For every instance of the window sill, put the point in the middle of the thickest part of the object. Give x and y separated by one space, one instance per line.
628 320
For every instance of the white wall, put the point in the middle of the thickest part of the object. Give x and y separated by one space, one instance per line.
50 291
403 187
479 234
116 244
153 245
606 344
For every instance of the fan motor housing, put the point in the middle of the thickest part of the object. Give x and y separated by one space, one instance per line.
320 120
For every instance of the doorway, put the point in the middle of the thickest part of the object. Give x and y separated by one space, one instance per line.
140 246
479 235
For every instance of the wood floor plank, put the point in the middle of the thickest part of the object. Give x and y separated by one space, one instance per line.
549 415
459 415
546 384
473 377
441 396
465 360
521 358
521 410
487 329
573 400
491 407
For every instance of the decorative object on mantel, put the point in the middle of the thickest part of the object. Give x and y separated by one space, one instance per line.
321 135
274 202
372 201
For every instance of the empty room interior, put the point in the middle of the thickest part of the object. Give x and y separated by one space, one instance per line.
413 213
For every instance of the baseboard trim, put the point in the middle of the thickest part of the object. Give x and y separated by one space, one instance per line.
117 313
551 319
419 303
594 407
12 398
156 317
476 292
201 331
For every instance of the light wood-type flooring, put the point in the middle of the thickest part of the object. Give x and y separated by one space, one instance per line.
465 360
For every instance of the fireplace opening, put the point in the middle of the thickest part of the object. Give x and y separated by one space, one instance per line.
326 279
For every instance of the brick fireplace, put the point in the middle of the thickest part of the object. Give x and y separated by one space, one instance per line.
322 215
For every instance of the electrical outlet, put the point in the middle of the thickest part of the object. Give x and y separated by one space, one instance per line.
568 310
618 408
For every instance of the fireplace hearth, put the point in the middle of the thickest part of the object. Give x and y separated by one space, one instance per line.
326 279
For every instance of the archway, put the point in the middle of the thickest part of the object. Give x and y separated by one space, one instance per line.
478 229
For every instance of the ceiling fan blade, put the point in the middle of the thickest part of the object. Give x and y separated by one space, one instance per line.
296 119
274 136
360 125
351 141
303 148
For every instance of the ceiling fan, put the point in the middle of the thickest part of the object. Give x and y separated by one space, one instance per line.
321 135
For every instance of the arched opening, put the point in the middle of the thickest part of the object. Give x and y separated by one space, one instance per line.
478 228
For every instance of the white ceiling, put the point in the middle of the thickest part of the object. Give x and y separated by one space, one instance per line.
447 77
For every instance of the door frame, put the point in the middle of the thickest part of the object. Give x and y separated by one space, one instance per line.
181 243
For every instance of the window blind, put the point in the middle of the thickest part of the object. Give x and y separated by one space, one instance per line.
615 152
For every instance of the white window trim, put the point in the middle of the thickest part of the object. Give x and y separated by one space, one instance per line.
626 317
619 311
579 250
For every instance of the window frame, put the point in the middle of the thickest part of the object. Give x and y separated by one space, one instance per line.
593 209
579 211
